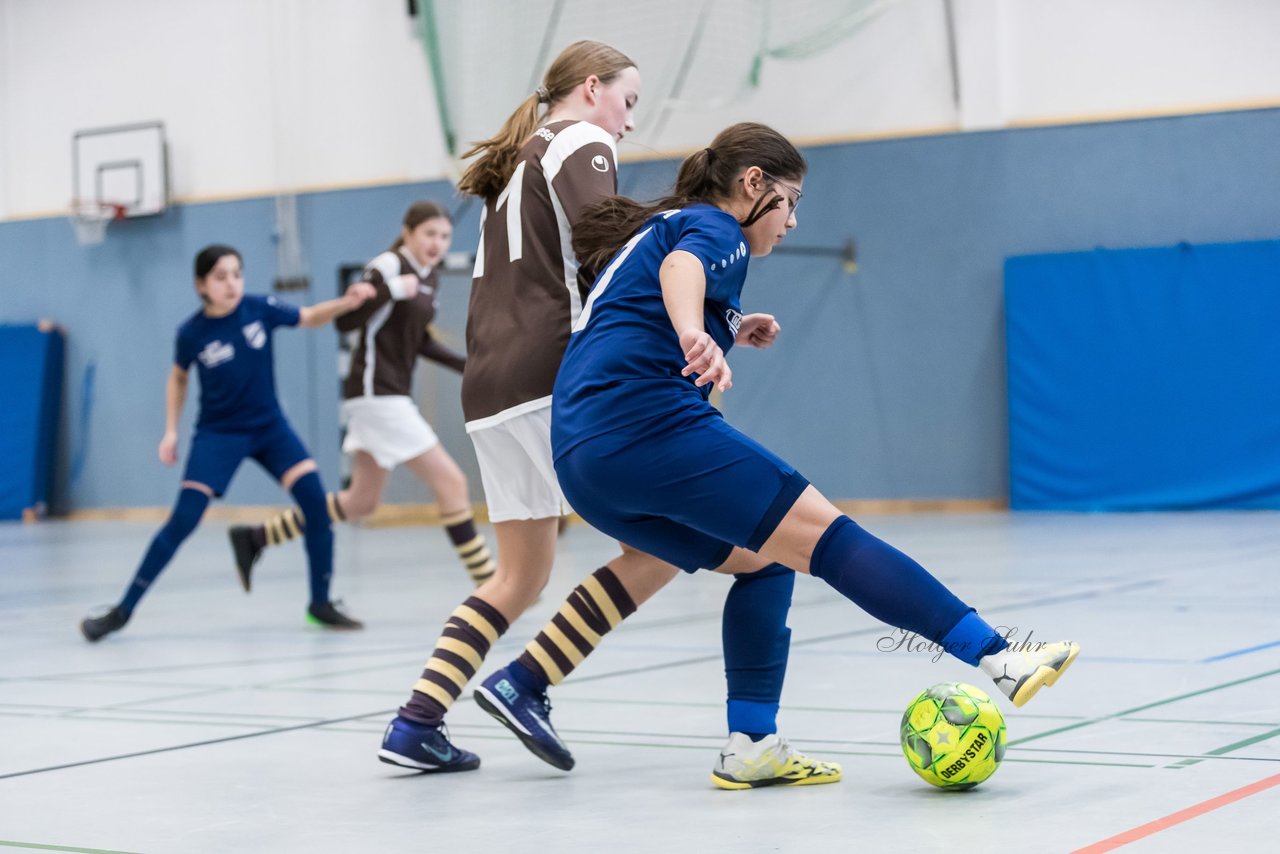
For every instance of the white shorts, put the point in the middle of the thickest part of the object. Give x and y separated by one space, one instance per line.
516 469
388 428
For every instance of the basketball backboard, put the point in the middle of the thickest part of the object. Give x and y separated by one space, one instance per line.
126 165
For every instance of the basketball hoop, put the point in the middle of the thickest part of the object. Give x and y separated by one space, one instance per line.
90 219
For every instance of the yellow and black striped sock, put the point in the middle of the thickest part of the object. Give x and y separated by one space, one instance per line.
473 627
289 524
595 606
470 545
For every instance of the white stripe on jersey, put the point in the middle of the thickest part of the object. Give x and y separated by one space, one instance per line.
570 140
561 149
478 270
370 344
605 278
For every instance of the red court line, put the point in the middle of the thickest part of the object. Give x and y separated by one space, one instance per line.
1178 817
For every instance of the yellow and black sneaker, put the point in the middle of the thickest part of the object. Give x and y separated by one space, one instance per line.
771 761
1020 673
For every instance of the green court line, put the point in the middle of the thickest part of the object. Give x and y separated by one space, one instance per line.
36 846
838 752
489 731
1196 758
172 722
211 665
1070 762
788 707
494 733
124 705
203 743
1142 708
1200 723
1228 749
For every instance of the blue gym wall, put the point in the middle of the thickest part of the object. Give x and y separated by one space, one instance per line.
889 383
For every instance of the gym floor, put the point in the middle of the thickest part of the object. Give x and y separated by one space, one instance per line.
222 722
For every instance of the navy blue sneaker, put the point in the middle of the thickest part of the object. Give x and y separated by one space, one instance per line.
526 714
423 748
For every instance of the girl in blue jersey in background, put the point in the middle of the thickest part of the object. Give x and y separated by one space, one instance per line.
230 339
643 456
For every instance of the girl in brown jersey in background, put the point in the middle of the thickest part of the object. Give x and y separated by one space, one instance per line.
384 427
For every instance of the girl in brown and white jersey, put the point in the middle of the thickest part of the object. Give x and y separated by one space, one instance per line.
384 426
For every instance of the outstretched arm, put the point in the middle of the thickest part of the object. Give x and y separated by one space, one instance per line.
175 397
684 290
321 313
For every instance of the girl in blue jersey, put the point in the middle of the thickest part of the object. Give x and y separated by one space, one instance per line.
643 456
230 340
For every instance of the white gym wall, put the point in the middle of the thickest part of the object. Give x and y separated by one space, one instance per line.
266 95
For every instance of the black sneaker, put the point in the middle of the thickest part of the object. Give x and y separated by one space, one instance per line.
327 616
246 551
96 628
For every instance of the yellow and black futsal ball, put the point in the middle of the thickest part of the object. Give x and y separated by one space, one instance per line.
953 735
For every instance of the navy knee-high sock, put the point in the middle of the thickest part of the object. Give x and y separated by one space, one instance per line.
895 589
182 521
756 642
317 533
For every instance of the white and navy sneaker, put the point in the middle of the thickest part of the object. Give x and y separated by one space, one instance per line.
526 714
771 761
423 748
1021 673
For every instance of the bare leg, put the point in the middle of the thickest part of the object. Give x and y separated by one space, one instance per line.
442 476
364 493
526 553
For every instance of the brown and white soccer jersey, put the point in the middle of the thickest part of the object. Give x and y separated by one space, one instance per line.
394 327
526 294
381 418
527 290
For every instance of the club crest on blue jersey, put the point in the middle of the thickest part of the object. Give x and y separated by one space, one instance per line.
215 353
255 335
734 319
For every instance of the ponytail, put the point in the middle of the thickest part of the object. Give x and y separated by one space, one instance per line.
487 176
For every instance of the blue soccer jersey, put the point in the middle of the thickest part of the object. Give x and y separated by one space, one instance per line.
237 377
624 359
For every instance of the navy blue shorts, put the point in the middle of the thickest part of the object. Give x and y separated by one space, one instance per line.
685 490
215 456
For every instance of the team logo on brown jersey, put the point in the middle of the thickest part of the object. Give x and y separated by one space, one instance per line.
600 163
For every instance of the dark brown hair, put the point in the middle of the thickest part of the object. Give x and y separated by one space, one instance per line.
488 176
707 176
208 258
417 214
